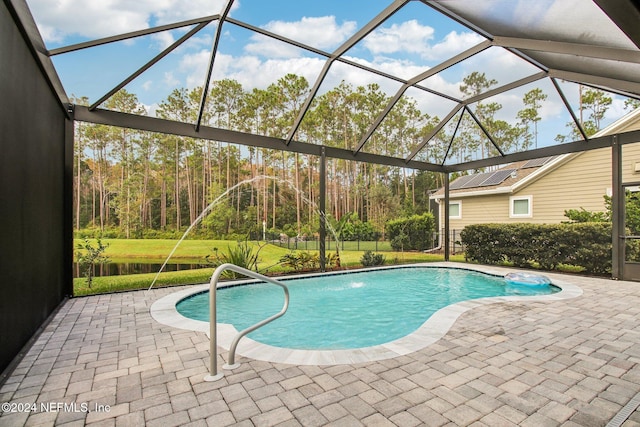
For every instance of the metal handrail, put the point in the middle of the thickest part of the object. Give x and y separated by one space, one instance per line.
213 357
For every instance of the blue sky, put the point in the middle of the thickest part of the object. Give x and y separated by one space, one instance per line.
410 42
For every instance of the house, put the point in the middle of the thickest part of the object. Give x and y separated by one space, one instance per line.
541 190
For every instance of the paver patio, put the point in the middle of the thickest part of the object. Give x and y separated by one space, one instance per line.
568 362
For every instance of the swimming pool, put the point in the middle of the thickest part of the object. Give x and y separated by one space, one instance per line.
392 331
353 310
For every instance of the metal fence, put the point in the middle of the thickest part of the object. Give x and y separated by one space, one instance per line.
313 244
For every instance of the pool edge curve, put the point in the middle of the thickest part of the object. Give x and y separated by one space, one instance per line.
433 329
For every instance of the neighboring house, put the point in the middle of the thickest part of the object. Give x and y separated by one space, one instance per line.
541 190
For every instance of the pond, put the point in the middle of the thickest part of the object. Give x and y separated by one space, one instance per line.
123 268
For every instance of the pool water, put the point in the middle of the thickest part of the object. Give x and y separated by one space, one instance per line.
352 310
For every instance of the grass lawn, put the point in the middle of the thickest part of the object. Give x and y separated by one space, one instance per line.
156 251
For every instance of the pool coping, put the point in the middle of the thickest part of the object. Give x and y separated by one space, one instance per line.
433 329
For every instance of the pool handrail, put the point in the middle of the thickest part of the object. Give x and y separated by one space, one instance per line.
213 284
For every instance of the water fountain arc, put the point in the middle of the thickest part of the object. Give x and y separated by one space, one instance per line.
218 199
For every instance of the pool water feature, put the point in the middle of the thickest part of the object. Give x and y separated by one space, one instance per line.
350 310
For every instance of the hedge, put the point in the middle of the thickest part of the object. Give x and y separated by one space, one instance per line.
412 233
586 245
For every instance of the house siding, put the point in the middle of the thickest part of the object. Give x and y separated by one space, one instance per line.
481 209
581 182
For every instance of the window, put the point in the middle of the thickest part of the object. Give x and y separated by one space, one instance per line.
520 207
455 209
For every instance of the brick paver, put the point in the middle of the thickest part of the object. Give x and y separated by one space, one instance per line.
104 361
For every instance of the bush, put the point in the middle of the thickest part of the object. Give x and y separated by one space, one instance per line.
241 255
586 245
301 260
307 261
412 233
369 259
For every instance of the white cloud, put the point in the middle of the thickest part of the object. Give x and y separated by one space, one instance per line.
454 43
320 32
147 85
163 39
151 109
94 19
409 36
170 80
270 48
499 64
251 72
194 66
168 11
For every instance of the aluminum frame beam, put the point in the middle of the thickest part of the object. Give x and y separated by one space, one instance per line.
149 64
433 132
132 34
606 83
412 82
630 137
505 88
617 214
575 49
484 130
154 124
27 26
453 137
568 107
214 51
353 40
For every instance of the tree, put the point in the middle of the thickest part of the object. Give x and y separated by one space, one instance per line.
476 83
89 256
139 181
180 105
631 104
472 137
530 114
597 103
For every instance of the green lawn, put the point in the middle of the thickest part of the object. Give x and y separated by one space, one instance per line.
194 251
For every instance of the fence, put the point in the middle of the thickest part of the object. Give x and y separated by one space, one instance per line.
313 244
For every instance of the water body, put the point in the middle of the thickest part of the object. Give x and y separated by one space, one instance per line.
122 268
350 310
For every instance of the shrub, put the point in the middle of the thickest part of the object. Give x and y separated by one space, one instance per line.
301 260
241 255
370 259
304 260
484 243
351 228
412 233
587 245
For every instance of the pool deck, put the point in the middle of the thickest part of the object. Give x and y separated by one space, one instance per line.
569 362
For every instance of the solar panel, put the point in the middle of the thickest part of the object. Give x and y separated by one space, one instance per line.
481 179
460 182
477 180
536 162
497 177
